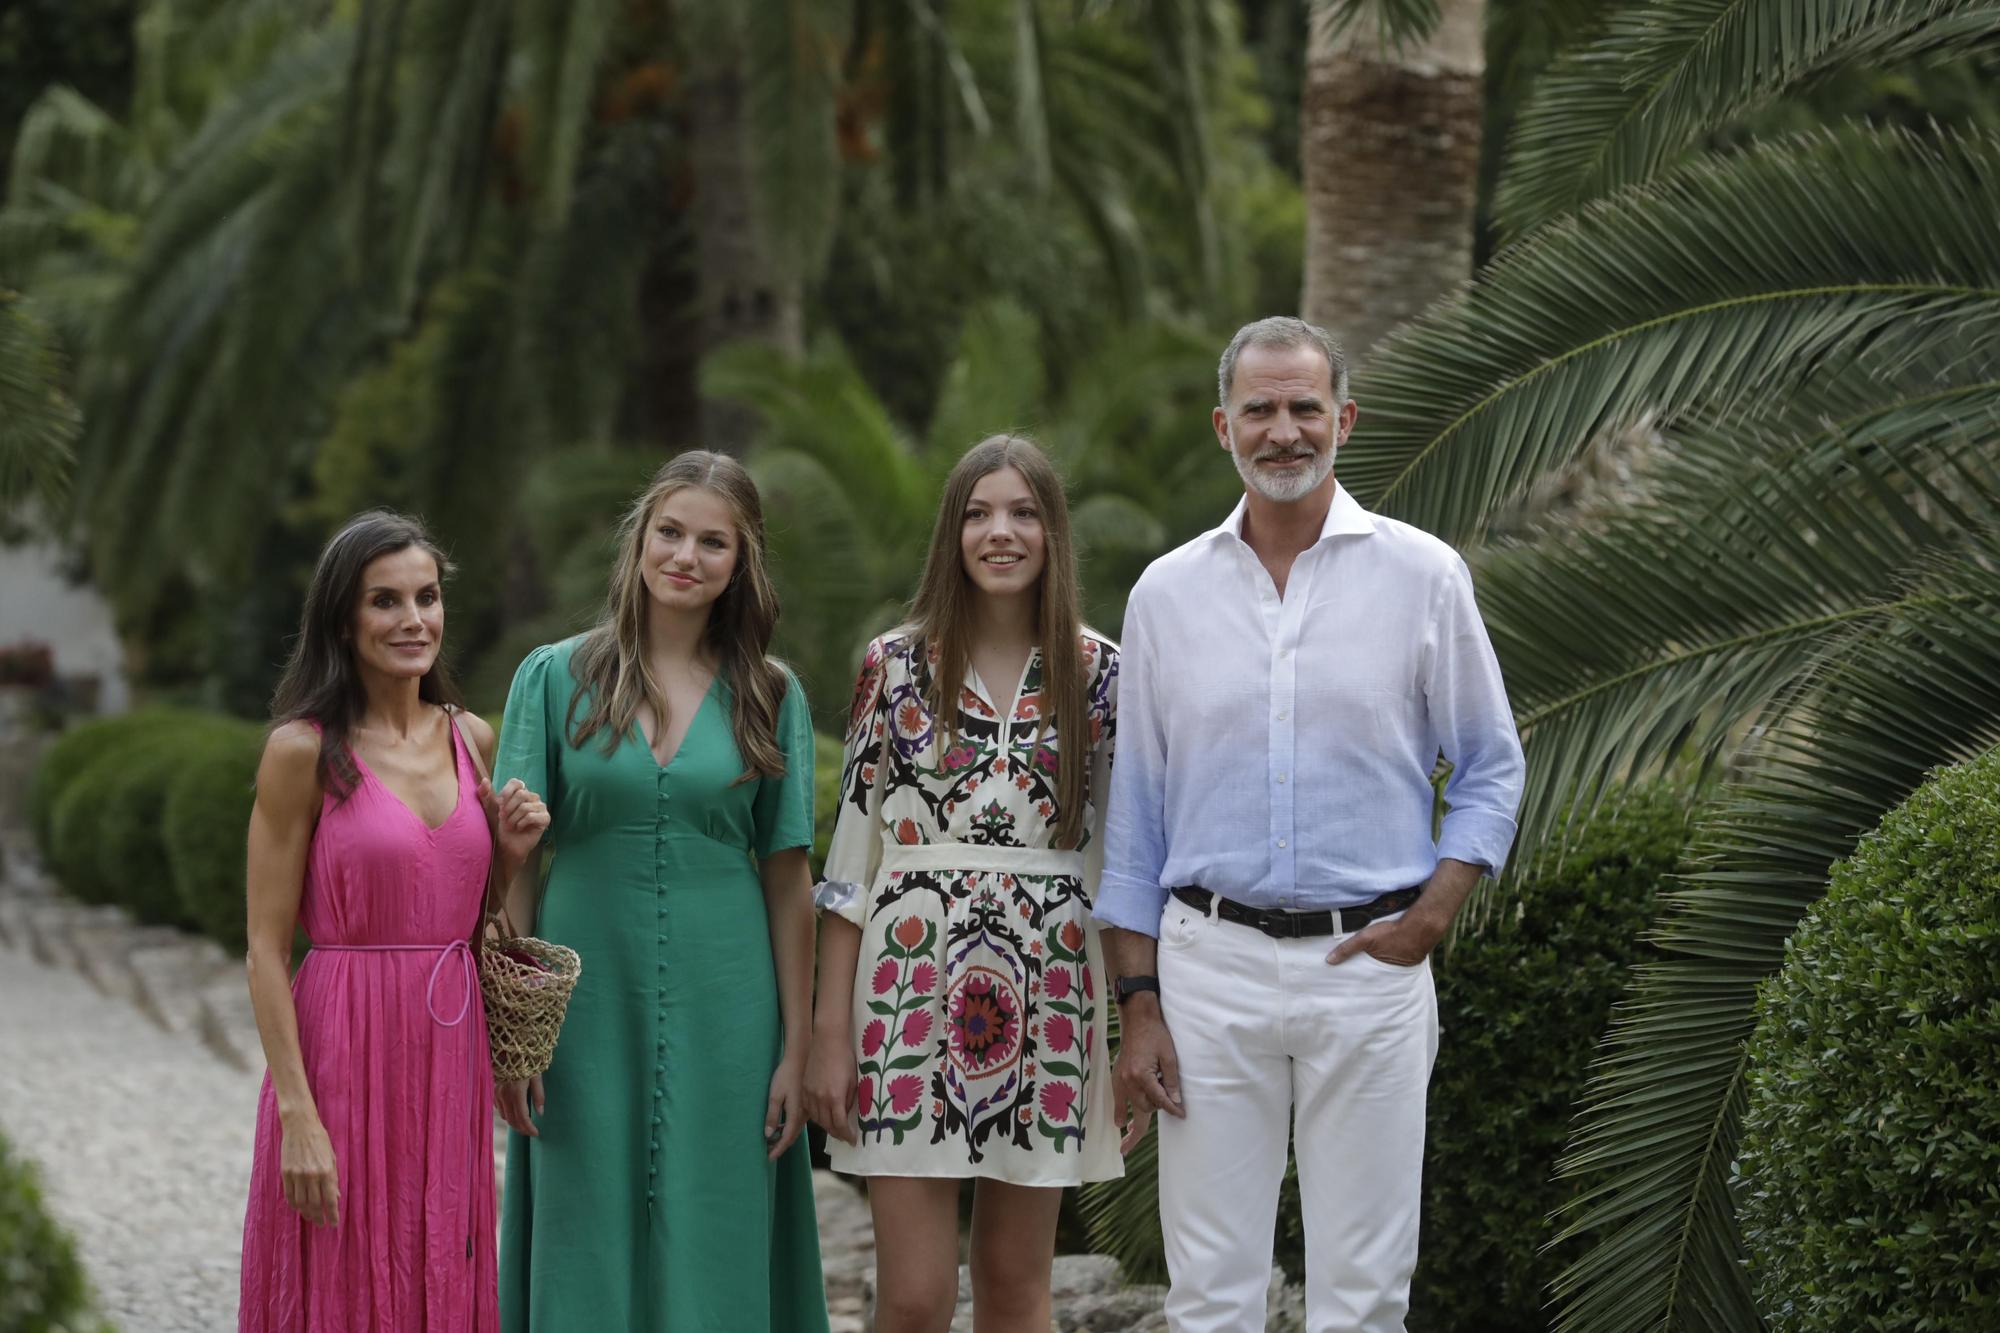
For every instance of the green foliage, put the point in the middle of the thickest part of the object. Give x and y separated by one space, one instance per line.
42 1286
120 800
1871 1140
77 749
1616 111
1522 1004
38 423
826 795
207 816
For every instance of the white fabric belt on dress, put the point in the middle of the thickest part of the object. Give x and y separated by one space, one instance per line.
975 856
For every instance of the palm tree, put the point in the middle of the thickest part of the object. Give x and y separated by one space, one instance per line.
1390 148
1805 600
514 225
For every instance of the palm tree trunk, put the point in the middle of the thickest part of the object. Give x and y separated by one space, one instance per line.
741 292
1390 146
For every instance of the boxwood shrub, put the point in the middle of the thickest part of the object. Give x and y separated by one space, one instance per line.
207 819
77 749
41 1283
1869 1175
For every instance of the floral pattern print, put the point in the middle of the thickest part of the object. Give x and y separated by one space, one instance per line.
979 1032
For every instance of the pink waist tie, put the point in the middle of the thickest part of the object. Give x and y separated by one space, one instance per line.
469 969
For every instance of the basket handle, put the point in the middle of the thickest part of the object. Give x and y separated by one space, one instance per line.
495 907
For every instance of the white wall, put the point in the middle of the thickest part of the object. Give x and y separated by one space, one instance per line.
38 602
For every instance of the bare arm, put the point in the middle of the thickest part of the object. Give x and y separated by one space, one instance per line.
788 902
830 1074
1147 1075
281 830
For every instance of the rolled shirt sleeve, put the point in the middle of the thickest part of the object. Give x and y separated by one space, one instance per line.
854 853
1474 728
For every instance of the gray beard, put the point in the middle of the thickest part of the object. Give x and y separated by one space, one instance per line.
1282 489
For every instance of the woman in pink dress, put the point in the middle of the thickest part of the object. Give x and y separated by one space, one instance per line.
371 1194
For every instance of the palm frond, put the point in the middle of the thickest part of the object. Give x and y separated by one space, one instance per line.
1611 112
1898 696
38 423
1755 550
1725 282
1395 21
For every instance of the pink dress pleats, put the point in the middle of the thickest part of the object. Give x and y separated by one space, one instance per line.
394 1040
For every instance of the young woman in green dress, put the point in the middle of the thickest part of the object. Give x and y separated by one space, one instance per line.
655 1179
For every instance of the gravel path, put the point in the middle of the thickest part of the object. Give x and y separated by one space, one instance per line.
143 1140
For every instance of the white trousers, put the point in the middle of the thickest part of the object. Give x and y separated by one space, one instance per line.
1265 1031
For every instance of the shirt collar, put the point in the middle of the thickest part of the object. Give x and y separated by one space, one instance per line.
1344 518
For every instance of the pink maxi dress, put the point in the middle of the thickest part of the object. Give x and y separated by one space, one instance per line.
394 1040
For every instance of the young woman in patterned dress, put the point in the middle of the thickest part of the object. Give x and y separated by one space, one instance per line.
959 1026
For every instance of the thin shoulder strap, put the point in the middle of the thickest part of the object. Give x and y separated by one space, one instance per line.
496 892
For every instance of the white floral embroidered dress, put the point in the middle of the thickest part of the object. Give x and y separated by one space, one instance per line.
980 1001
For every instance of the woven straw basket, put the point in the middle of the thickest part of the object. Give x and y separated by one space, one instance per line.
525 1001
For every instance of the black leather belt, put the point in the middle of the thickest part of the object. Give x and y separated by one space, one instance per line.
1282 925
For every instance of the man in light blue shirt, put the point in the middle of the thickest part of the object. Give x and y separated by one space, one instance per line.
1271 888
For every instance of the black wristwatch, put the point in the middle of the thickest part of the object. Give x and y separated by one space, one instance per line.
1127 987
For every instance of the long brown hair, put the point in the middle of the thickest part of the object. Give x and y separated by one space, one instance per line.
942 614
610 665
321 682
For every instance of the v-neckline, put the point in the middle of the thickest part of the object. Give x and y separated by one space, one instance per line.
681 744
457 784
984 691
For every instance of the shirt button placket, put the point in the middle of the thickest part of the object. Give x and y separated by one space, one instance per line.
659 989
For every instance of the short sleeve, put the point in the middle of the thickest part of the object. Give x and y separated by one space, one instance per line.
784 807
855 851
530 732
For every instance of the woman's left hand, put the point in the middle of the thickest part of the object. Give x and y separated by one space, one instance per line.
785 1112
518 817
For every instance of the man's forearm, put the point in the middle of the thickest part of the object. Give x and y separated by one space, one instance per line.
1445 892
1127 953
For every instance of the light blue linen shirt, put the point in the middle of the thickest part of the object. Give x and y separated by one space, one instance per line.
1278 751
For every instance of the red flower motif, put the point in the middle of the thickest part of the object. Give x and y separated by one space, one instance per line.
1096 730
1057 982
1045 809
910 931
911 719
1089 990
868 774
1029 708
1046 758
885 976
923 978
916 1027
872 1035
1057 1099
1024 782
1072 936
958 758
864 1096
904 1090
1061 1036
984 1023
906 832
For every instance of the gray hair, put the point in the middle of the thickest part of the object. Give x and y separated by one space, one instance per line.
1282 331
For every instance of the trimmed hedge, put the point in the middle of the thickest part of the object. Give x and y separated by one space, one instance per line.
77 749
41 1282
207 817
1522 1004
1869 1176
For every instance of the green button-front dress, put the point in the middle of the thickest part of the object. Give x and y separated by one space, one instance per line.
647 1202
